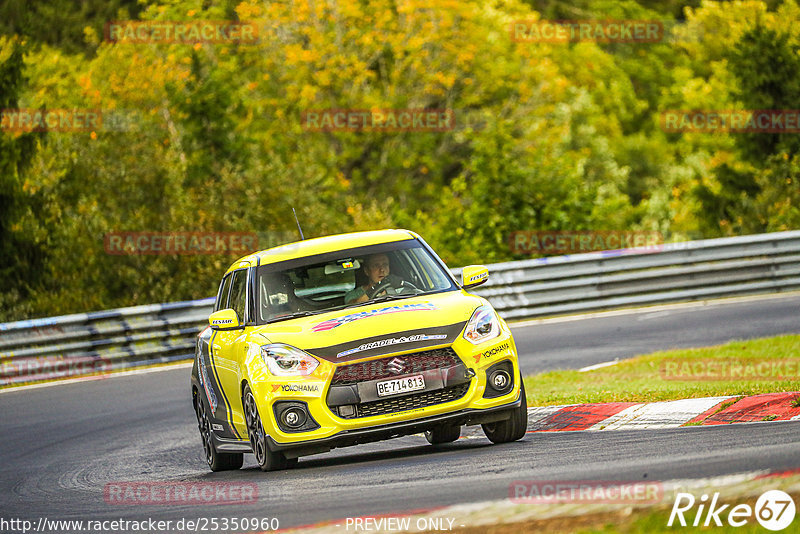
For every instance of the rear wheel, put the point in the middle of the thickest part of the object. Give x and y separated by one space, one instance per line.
443 434
217 461
266 458
513 428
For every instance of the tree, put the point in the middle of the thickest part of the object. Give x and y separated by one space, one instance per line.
21 250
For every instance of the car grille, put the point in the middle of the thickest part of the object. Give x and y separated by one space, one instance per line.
408 402
411 363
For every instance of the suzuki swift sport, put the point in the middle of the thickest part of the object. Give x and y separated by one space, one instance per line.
349 339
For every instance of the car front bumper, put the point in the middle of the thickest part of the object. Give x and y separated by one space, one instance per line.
346 438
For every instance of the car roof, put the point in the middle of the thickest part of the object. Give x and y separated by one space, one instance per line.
321 245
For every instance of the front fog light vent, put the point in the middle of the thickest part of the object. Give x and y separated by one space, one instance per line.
293 416
499 380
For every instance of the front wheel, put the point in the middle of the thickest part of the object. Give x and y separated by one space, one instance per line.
217 461
514 427
443 434
266 458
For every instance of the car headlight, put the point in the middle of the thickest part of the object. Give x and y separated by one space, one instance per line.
285 360
482 326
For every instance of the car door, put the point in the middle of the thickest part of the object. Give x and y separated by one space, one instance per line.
227 349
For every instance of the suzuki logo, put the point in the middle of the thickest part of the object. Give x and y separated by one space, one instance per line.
396 365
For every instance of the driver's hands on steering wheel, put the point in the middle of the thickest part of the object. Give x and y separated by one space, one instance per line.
381 286
390 282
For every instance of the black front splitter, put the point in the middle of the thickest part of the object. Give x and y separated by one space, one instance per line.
347 438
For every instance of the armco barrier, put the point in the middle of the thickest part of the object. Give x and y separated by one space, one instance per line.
687 271
95 343
47 348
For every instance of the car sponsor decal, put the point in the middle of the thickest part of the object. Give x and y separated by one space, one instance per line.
228 411
416 339
491 352
338 321
212 397
297 388
391 341
479 276
405 412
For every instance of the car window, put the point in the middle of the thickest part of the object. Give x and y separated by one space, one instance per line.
238 293
323 282
222 295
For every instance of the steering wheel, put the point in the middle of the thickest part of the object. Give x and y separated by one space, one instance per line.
399 285
383 285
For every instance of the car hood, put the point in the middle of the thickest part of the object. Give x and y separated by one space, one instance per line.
376 329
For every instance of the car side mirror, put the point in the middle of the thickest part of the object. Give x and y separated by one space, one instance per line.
224 320
474 275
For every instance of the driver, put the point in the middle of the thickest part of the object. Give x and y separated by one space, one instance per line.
376 267
281 283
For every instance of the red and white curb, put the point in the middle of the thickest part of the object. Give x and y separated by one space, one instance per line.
666 414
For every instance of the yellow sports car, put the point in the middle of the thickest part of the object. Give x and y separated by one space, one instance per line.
348 339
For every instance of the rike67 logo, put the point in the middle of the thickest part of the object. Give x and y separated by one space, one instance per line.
774 510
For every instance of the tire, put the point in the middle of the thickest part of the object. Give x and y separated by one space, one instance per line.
514 427
443 434
266 458
217 461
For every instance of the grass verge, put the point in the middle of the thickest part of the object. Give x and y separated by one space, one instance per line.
627 521
767 365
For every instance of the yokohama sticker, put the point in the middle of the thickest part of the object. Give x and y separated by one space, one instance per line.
296 388
491 352
338 321
391 341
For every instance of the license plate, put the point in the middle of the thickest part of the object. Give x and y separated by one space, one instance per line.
400 385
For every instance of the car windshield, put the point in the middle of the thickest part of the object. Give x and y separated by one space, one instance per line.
350 277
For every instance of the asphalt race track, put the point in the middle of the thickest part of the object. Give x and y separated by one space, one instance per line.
63 444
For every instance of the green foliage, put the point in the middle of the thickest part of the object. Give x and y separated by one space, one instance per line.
21 253
766 64
63 23
548 136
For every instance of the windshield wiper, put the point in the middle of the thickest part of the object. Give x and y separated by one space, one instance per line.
367 302
288 316
429 292
388 297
